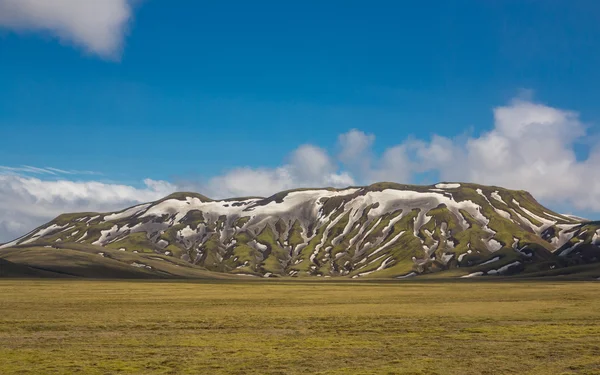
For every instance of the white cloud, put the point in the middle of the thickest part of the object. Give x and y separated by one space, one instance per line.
26 169
355 149
98 26
356 155
309 166
27 202
531 147
442 154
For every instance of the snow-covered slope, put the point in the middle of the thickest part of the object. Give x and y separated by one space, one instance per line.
382 230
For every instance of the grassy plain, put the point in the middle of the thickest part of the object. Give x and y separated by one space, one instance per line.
298 327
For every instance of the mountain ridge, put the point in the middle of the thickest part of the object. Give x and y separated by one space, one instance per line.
381 230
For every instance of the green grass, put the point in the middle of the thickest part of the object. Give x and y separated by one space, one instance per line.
263 327
276 253
295 235
211 249
307 251
134 242
344 244
83 260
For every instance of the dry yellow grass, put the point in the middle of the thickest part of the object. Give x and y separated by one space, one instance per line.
115 327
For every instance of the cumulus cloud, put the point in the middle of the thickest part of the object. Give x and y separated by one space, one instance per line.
355 150
98 26
27 202
394 165
356 156
308 166
531 147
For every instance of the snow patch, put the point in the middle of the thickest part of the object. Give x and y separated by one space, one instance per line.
447 186
461 256
127 213
474 274
368 233
503 269
92 219
515 244
42 232
260 246
383 265
564 235
554 216
110 234
502 213
447 258
493 245
494 259
578 218
83 237
527 222
567 227
596 238
140 265
545 222
497 197
387 244
568 250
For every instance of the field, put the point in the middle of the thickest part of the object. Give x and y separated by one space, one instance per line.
264 327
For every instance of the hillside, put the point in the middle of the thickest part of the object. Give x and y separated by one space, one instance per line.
72 260
382 230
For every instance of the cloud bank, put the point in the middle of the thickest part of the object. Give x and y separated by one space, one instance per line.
27 202
97 26
531 146
308 166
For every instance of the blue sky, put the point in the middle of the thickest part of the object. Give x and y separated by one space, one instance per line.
196 90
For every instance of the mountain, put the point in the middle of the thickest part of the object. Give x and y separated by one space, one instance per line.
383 230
